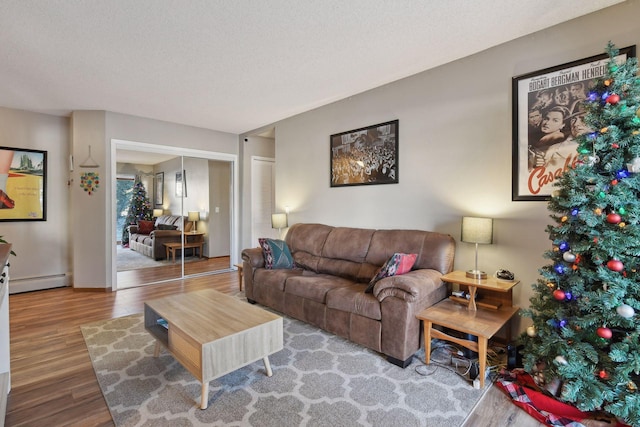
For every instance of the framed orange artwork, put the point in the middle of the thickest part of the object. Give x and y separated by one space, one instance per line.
23 184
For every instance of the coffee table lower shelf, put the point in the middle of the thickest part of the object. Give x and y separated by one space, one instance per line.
481 323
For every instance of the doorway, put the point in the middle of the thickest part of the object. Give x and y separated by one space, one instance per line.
194 184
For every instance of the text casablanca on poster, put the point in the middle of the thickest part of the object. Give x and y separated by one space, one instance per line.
538 181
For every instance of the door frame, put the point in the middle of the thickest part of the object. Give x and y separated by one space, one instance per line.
181 152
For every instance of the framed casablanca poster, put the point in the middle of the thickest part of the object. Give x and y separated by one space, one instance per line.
548 115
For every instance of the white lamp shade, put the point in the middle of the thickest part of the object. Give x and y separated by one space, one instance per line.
158 212
279 220
477 230
193 216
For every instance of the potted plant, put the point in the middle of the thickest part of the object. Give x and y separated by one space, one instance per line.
2 241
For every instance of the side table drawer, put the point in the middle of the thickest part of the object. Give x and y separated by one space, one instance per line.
187 351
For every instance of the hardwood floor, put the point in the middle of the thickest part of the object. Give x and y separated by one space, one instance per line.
53 382
130 278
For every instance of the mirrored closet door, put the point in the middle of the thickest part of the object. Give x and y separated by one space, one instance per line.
182 218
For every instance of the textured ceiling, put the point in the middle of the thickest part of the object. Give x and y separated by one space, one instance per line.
237 65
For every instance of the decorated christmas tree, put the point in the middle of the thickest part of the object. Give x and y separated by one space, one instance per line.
140 208
585 333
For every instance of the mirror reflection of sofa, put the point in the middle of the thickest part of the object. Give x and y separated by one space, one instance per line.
149 237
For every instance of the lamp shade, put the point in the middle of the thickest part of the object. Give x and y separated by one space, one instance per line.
158 212
477 230
193 216
279 220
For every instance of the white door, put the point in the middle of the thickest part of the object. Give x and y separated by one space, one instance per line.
263 198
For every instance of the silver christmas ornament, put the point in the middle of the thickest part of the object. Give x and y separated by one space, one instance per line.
625 311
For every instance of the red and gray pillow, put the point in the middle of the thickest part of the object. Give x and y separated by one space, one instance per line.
398 264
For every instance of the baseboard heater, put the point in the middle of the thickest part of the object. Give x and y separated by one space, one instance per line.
29 284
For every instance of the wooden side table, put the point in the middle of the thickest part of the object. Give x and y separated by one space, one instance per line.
239 267
192 240
171 248
481 320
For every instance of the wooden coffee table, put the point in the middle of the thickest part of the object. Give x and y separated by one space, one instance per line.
212 334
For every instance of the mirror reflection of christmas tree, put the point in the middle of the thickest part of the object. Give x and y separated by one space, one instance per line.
139 209
585 333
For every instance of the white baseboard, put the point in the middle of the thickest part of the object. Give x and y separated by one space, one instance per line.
38 283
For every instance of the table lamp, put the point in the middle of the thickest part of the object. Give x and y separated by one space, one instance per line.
279 221
478 231
194 216
157 212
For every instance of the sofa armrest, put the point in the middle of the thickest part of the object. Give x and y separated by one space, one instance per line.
254 257
413 286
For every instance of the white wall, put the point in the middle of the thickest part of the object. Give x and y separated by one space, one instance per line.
93 261
454 148
43 249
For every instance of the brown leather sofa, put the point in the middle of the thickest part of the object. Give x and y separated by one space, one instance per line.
334 266
152 244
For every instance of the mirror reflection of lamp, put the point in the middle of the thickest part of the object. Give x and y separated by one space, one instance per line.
194 216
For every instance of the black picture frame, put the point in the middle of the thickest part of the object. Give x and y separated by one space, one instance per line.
159 191
181 184
23 184
540 156
365 156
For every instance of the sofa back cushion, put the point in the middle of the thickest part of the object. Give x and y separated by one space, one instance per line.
357 253
344 252
435 250
306 242
177 220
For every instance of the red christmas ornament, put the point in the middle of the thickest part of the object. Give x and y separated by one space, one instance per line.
604 332
613 218
613 99
614 182
603 374
559 294
615 265
614 145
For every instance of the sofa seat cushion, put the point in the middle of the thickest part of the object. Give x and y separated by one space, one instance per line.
144 239
353 299
275 278
314 286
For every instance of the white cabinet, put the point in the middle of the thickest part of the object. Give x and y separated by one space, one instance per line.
5 358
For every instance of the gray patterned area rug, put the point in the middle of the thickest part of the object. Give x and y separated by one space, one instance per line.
318 379
128 259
